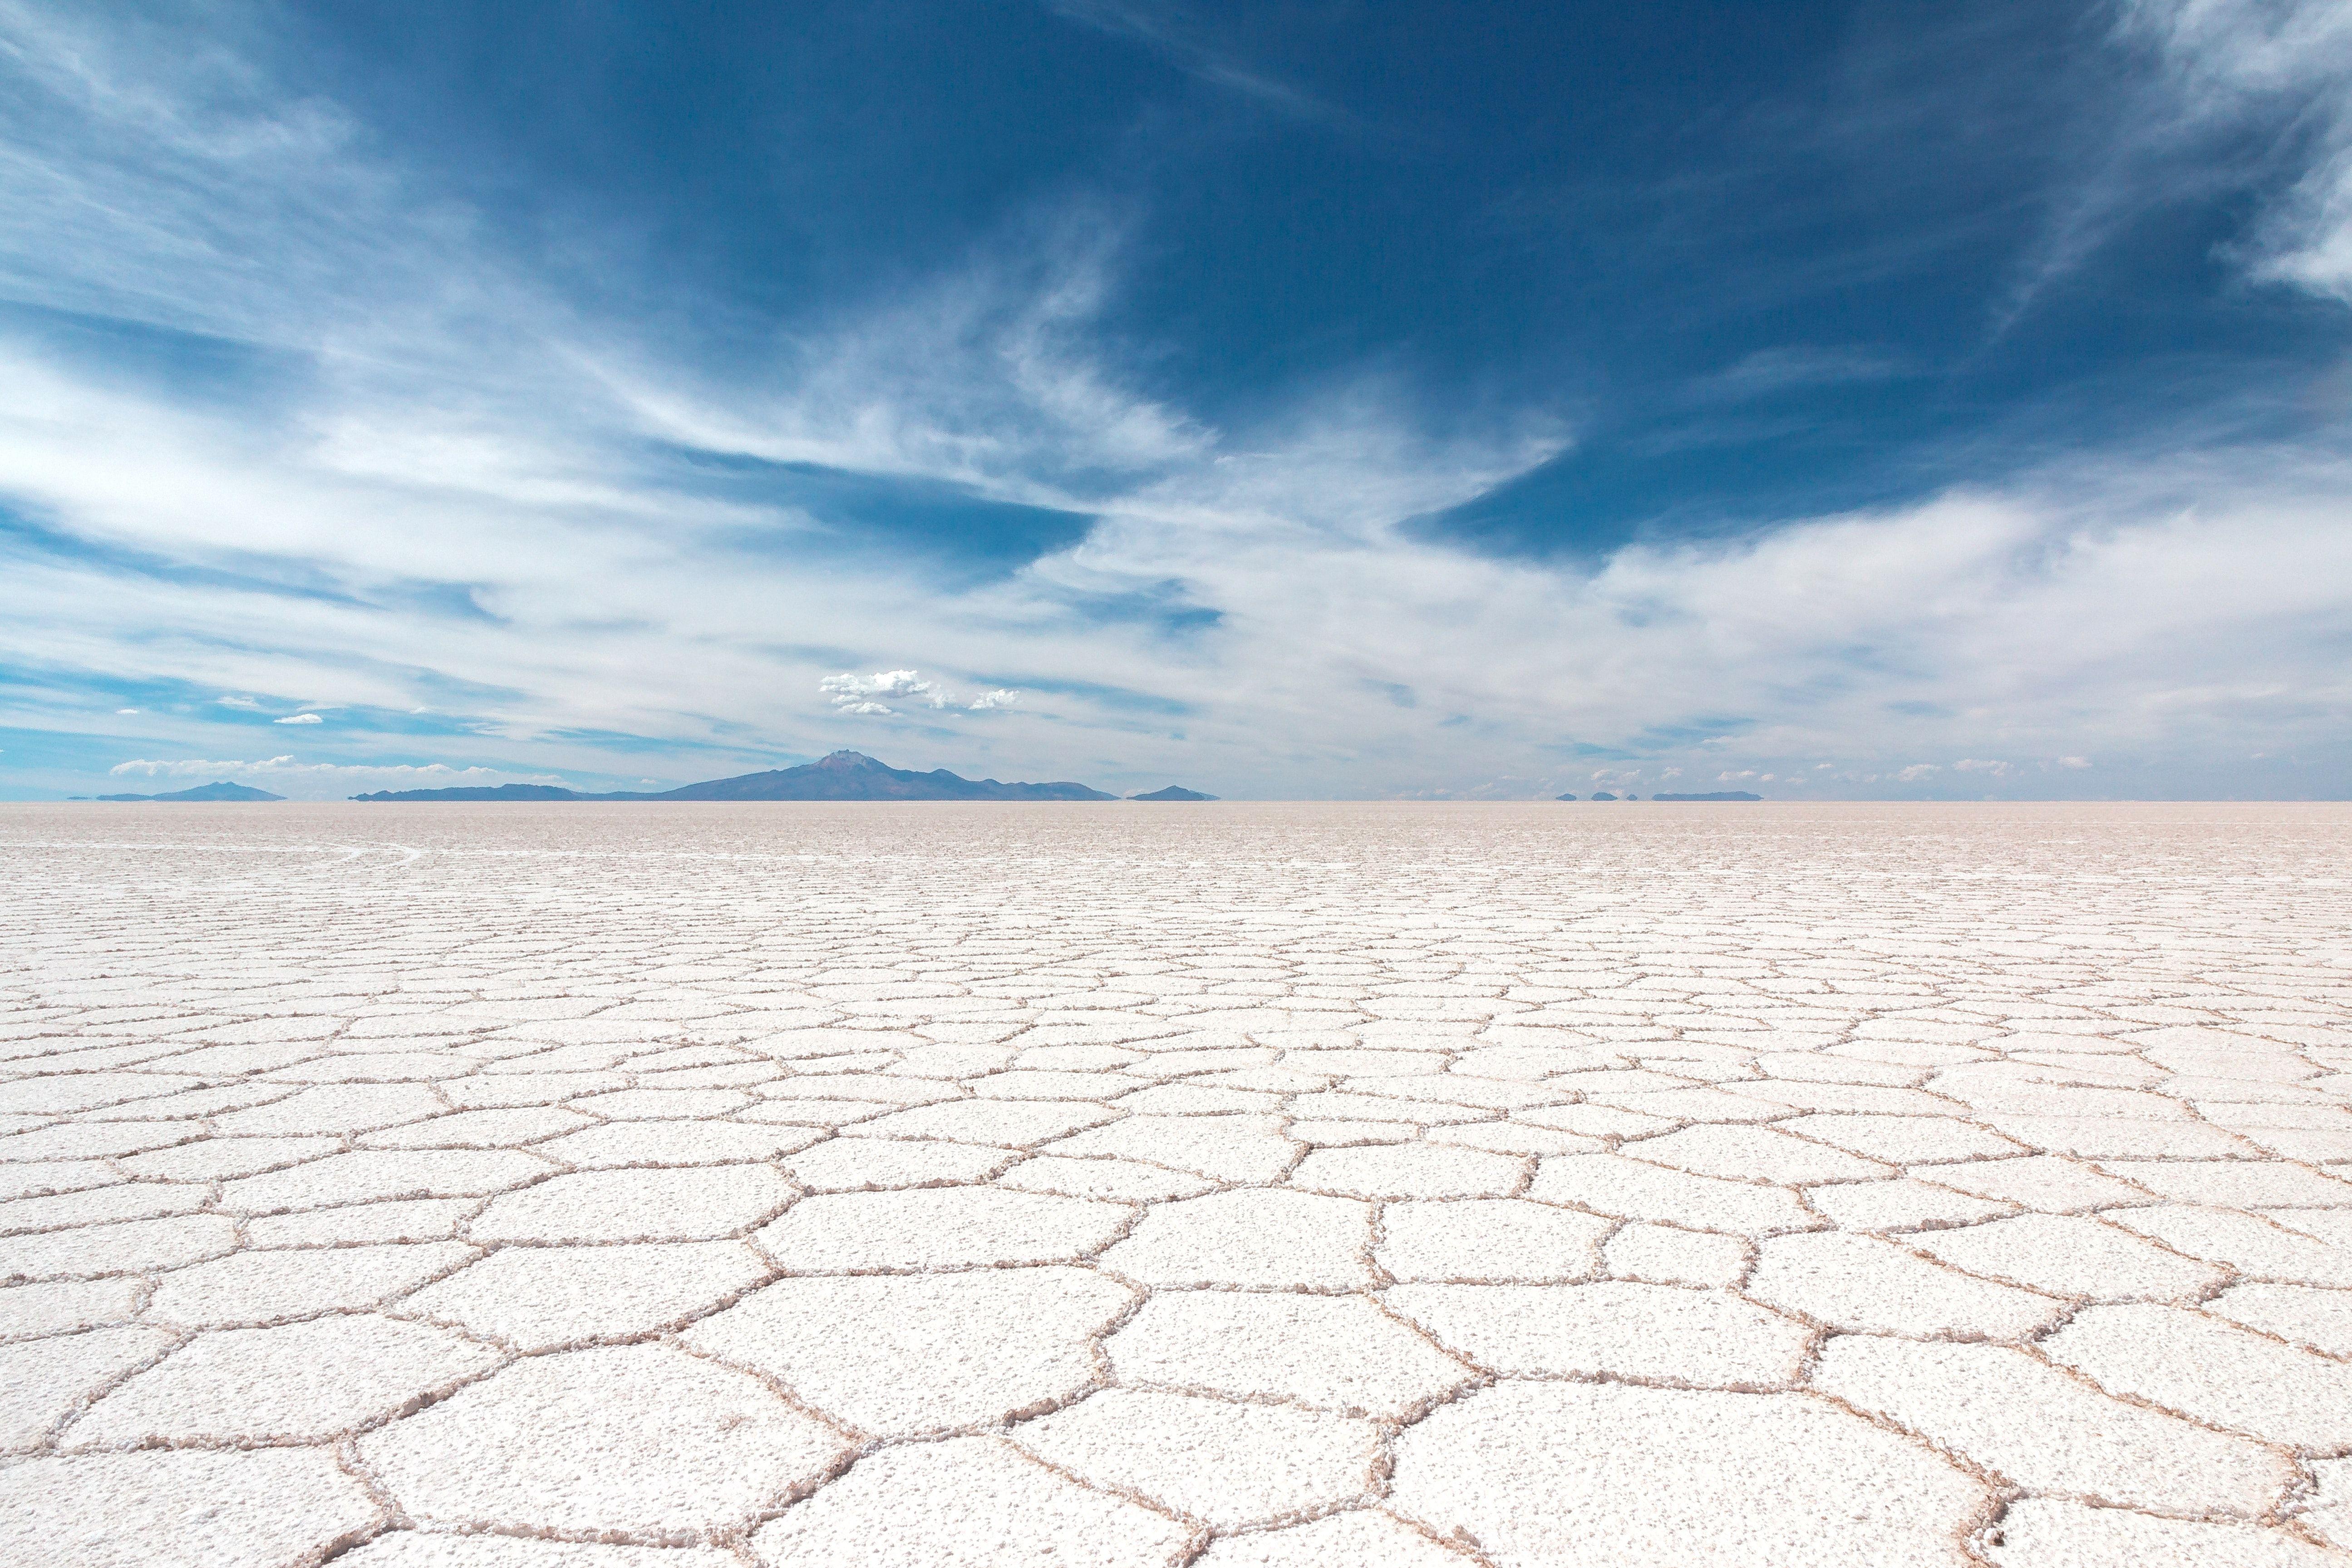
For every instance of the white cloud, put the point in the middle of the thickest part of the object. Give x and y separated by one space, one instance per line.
123 710
300 718
247 703
1999 769
864 693
2074 762
1919 771
998 698
2283 67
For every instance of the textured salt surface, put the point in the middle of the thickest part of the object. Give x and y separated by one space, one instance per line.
677 1186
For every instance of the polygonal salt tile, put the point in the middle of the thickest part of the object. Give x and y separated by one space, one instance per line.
1903 1140
2249 1243
1663 1255
2211 1371
542 1298
627 1144
2043 1532
2123 1135
638 1438
1669 1478
938 1227
2067 1255
1104 1178
2299 1314
335 1108
974 1502
43 1381
707 1203
1193 1099
1335 1106
373 1067
1901 1205
1249 1237
101 1205
377 1175
2048 1432
64 1093
1489 1240
930 1352
1410 1170
360 1224
1862 1284
251 1289
1608 1183
1508 1137
136 1246
662 1104
1331 1352
63 1304
1048 1083
873 1164
1003 1123
262 1509
93 1140
1361 1539
505 1129
1755 1155
301 1382
1226 1464
414 1549
219 1159
1706 1338
2042 1182
2235 1184
506 1090
1226 1148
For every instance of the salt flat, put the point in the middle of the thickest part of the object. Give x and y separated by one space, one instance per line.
584 1186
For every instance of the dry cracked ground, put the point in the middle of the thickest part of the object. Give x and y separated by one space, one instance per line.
669 1188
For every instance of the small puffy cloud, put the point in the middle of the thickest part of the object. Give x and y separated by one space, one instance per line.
248 703
853 693
1919 771
300 718
2074 762
1998 769
121 710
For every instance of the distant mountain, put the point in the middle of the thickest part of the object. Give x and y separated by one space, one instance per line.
477 791
1563 797
1603 795
223 790
844 775
1719 794
1173 792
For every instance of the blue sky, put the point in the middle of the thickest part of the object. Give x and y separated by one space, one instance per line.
1335 399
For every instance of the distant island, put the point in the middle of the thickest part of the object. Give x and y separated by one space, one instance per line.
1719 794
222 790
844 775
1173 792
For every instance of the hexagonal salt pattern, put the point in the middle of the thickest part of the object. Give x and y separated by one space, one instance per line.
575 1186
